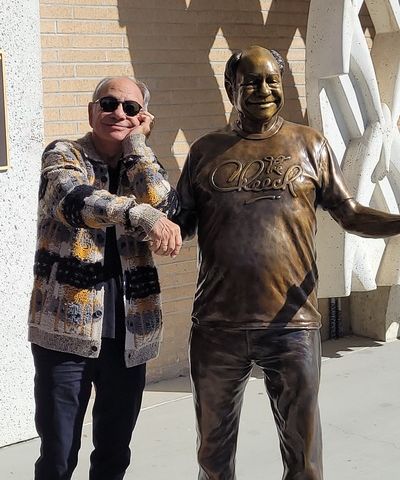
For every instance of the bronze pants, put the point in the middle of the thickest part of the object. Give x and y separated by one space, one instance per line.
221 362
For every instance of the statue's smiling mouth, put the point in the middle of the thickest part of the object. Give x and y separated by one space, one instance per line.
263 103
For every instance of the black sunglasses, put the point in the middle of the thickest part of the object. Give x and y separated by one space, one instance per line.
109 104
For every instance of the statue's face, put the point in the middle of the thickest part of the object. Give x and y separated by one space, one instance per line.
258 93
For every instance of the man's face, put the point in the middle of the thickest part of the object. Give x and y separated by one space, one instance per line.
258 93
113 127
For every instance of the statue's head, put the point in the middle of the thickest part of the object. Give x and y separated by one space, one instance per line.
253 81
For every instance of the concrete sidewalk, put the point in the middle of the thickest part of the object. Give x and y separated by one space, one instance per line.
360 409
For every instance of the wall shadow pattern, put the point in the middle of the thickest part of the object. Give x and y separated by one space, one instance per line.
170 47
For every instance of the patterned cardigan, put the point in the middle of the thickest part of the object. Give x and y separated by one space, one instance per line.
75 207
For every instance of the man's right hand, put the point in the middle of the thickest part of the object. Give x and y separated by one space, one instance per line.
165 238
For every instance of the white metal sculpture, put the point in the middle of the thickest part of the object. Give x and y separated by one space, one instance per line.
353 97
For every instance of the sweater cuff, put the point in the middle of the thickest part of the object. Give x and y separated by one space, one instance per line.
144 216
134 144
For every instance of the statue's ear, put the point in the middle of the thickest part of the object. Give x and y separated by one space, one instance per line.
229 90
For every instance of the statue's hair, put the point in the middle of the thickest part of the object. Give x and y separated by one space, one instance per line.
233 63
142 87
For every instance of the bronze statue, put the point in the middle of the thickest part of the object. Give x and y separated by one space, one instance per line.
251 191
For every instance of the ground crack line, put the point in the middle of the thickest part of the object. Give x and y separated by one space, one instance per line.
364 437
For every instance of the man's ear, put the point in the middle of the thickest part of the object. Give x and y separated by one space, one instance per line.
90 112
229 91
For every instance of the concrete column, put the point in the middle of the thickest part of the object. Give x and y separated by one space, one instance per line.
20 42
376 314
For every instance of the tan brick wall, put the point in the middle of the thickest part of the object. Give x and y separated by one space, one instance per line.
180 53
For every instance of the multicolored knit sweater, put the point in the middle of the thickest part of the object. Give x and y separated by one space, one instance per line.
75 208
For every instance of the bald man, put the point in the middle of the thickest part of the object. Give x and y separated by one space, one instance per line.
251 191
95 315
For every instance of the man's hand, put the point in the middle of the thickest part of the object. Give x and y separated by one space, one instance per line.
165 238
144 123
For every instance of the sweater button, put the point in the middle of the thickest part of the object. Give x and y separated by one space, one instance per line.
94 348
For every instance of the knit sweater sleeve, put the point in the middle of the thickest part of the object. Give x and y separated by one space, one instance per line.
146 177
67 193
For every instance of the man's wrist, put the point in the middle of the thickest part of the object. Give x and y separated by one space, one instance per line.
134 144
145 216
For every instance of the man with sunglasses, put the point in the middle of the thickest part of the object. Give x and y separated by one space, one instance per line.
250 191
95 314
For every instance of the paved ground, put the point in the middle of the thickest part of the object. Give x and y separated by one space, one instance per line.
360 407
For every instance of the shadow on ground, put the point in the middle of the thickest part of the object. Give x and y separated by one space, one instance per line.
339 347
177 385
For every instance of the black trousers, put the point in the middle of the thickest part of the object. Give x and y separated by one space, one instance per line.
63 384
221 362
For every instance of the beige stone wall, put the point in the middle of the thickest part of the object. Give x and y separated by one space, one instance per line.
179 48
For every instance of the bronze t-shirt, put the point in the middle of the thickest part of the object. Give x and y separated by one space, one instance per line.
253 199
